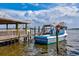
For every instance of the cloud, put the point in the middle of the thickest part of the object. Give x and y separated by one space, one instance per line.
68 14
13 14
35 4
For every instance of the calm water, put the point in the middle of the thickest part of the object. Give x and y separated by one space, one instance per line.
68 47
73 42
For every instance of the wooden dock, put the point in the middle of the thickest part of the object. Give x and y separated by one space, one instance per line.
9 34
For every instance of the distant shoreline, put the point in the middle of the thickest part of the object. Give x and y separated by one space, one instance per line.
73 29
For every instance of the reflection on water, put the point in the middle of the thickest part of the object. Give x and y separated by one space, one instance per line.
12 50
29 49
26 49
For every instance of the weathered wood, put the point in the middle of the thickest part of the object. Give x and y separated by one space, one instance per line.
17 30
6 26
34 31
26 28
57 47
13 21
30 33
8 34
38 30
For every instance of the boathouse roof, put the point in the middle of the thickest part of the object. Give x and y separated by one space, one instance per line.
13 21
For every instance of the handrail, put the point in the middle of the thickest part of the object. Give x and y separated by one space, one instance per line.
12 32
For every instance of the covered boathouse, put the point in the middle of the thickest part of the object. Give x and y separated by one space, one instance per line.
7 35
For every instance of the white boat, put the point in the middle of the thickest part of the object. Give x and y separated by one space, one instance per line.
49 35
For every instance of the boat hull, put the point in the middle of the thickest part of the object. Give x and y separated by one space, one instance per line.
48 39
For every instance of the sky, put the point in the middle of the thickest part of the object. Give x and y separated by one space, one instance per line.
42 13
26 6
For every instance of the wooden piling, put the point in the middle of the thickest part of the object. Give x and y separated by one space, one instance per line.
30 33
34 31
57 47
28 37
27 34
38 30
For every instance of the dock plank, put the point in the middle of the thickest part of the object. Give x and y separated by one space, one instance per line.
7 37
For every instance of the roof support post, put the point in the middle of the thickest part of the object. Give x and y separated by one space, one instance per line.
26 28
6 26
17 30
7 32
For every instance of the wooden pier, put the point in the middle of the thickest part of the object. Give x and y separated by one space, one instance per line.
9 34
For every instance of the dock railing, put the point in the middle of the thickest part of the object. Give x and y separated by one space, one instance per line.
11 33
14 33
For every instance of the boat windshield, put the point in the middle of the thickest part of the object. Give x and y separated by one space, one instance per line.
47 29
51 30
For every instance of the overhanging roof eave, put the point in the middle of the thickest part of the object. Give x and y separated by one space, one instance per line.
13 21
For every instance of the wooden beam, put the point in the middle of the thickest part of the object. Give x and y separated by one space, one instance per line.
38 30
34 31
6 20
6 26
26 28
17 30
